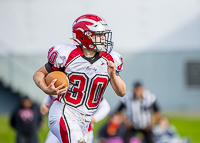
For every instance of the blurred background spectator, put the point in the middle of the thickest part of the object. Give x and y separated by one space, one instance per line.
142 111
26 120
165 132
114 130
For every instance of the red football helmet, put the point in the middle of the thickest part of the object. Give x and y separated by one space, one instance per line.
88 25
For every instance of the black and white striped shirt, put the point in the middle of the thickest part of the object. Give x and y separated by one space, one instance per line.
139 111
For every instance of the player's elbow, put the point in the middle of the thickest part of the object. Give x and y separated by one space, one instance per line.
35 76
123 89
121 93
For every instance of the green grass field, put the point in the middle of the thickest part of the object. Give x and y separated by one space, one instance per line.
188 126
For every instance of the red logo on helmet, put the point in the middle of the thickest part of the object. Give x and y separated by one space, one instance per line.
85 26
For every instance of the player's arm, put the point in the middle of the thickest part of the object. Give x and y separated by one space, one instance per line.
55 56
117 83
39 79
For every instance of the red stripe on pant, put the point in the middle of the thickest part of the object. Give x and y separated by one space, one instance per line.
63 131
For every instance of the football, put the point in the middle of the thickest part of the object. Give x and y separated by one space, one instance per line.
60 76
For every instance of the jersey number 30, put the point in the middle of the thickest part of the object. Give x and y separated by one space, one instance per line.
83 90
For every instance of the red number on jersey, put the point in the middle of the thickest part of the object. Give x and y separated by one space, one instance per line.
50 50
97 87
52 55
119 68
76 96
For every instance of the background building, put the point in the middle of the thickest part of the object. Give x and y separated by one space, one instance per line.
159 41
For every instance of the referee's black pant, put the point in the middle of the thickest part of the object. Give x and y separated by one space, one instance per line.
148 135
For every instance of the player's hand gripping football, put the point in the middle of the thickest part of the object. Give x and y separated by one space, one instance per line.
52 90
111 69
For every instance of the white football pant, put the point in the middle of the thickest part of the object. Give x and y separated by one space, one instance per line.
68 125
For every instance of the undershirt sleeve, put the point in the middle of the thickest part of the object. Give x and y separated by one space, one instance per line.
102 111
48 100
48 67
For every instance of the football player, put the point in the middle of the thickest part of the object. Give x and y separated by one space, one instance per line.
101 112
90 65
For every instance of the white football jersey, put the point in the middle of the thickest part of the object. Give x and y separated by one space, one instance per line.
88 77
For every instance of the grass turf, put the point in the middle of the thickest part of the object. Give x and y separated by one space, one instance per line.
186 125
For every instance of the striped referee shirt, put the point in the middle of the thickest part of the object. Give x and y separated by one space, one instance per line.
139 111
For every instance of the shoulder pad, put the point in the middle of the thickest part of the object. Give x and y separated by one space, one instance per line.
118 60
58 55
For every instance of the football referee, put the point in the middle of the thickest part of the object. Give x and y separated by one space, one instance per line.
142 111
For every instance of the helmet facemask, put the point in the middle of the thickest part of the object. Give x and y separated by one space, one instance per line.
99 44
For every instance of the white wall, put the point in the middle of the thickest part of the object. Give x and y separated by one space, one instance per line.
163 73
